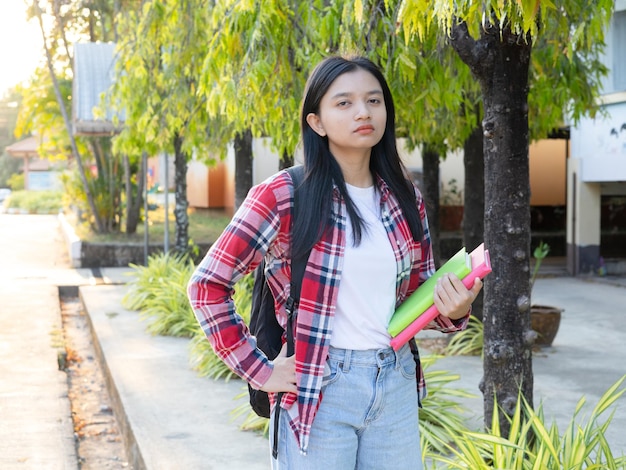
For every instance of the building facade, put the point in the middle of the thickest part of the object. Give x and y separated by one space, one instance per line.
596 169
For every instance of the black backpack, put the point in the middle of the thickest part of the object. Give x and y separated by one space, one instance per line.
263 323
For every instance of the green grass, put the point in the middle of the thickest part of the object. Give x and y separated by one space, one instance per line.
205 225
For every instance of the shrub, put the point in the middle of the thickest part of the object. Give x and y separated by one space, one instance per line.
468 342
17 181
43 202
533 445
158 292
442 416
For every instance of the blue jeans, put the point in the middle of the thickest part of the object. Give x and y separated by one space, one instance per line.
368 417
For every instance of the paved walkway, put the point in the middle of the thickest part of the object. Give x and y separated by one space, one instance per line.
174 419
35 422
586 357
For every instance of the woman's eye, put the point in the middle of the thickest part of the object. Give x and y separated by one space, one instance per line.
342 103
375 100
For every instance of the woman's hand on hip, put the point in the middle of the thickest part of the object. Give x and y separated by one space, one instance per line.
283 378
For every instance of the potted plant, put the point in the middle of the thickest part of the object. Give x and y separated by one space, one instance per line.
544 319
451 207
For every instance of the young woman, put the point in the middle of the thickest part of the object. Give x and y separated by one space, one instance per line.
352 402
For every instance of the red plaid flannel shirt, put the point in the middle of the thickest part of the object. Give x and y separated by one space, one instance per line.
261 228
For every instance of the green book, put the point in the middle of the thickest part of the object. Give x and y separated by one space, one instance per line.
419 301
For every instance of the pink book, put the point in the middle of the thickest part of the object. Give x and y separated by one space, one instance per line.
481 266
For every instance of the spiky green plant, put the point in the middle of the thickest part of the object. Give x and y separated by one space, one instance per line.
159 292
468 342
148 281
204 361
531 445
539 254
251 421
441 416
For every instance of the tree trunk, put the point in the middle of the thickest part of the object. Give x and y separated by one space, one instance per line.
501 65
98 154
430 172
474 201
134 196
286 161
243 166
181 237
99 225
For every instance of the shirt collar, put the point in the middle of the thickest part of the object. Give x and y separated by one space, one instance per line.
380 183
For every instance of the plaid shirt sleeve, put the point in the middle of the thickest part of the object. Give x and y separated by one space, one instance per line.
238 250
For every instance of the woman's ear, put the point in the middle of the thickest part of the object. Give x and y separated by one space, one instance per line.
316 124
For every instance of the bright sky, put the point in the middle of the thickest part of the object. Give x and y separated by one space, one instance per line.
21 46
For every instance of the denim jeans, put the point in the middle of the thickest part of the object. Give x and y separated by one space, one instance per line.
368 417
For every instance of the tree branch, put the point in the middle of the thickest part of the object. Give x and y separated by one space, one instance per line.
463 43
471 51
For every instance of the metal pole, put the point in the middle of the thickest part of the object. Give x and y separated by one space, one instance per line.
146 238
166 241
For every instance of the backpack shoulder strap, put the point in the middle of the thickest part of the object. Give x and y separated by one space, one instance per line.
298 265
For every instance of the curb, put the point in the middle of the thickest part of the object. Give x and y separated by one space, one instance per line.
131 446
74 244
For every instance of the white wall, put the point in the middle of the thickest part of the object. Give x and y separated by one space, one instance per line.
450 168
546 191
266 163
601 145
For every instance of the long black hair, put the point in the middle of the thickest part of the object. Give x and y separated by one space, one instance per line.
322 170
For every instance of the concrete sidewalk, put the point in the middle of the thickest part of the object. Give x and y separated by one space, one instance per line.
173 419
170 417
179 420
36 429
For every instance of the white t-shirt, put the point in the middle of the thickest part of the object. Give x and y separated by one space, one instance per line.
367 292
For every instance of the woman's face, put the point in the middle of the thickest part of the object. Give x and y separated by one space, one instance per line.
352 114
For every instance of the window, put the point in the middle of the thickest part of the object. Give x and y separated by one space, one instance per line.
619 51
